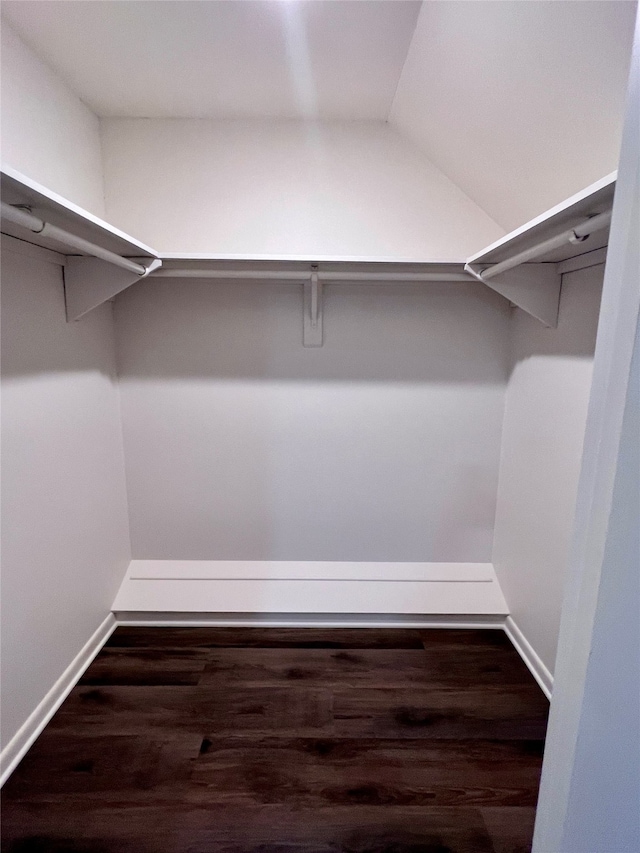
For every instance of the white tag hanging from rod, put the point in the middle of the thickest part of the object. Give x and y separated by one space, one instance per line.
313 309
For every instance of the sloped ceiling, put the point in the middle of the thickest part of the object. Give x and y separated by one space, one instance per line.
211 59
519 103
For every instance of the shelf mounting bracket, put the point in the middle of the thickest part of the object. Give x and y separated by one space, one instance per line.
88 282
535 288
313 311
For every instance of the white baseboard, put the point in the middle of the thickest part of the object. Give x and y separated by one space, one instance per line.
529 656
26 735
303 620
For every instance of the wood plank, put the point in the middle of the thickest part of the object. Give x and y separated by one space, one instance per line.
511 829
434 668
168 828
273 638
59 765
319 773
167 711
146 666
297 740
302 772
514 713
460 640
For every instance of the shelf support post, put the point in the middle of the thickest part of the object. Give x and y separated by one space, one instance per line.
535 288
88 282
313 311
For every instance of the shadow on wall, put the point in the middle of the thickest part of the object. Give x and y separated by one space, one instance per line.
578 318
36 338
380 333
240 443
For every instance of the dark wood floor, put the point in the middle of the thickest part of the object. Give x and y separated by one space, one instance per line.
192 740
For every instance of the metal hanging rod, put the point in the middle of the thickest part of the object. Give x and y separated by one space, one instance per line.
25 219
572 235
303 276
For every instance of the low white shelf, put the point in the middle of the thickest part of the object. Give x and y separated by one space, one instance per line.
254 587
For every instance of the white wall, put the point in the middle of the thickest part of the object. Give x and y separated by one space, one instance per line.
545 414
65 543
286 188
47 132
519 103
381 445
604 803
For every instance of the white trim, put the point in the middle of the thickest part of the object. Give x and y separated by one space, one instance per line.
309 570
529 655
306 259
303 620
28 732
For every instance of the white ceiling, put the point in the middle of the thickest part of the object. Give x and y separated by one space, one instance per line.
204 58
519 103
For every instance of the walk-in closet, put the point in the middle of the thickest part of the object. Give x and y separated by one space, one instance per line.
319 425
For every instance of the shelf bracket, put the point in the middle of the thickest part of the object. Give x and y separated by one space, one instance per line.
88 282
535 288
313 311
